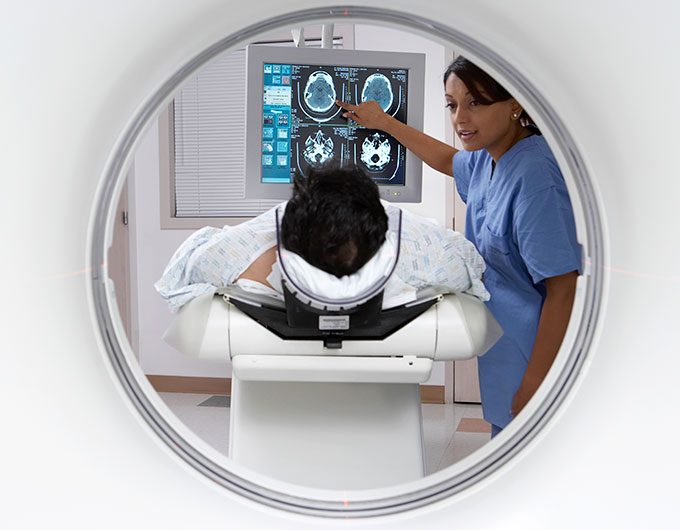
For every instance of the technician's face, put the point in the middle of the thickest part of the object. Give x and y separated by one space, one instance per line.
478 126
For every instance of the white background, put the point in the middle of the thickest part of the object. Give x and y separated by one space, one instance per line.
74 454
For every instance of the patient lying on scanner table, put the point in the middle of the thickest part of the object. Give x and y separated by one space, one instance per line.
335 235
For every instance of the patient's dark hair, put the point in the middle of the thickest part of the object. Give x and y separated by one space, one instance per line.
334 220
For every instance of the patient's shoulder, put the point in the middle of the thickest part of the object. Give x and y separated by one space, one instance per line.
410 219
260 268
262 225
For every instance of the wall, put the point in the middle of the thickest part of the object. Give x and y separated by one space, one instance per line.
153 247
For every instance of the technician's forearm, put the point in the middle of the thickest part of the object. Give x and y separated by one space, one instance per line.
551 329
434 153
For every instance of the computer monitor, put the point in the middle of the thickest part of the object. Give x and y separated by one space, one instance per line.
293 123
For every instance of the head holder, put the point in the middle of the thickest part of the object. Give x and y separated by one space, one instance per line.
306 309
310 316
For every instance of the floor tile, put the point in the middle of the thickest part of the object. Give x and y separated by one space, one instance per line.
216 401
477 425
462 445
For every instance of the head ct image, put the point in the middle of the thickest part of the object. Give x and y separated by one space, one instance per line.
303 128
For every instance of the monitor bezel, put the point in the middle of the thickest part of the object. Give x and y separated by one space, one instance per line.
257 55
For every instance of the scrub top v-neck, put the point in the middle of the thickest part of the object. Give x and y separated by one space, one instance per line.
520 218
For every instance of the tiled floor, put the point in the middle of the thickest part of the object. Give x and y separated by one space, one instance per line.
451 432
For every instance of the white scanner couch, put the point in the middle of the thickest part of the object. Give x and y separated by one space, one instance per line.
335 414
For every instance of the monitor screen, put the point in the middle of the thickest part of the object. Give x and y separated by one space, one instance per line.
293 123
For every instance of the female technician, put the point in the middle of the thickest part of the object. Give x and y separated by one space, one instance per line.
519 217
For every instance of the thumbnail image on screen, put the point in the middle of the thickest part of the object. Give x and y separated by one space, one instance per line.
303 128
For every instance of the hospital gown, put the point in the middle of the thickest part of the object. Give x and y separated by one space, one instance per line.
430 255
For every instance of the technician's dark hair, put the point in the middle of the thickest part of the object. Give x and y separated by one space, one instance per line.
334 220
484 88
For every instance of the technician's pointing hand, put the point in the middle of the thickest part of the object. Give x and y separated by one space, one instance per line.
368 114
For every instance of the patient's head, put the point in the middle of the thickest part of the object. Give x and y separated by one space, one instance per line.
334 220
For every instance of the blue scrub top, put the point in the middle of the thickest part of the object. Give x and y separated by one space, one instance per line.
520 219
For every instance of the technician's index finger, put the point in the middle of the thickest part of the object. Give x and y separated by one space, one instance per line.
346 106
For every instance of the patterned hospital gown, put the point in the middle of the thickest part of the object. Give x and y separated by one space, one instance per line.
212 257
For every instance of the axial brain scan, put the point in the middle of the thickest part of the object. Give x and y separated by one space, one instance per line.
319 92
375 152
303 128
318 149
378 88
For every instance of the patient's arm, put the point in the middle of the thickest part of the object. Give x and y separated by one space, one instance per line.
260 268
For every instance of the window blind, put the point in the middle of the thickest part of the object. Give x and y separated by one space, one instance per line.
209 125
209 140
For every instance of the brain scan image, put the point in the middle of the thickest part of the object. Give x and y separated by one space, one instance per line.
319 94
303 129
375 152
378 88
318 149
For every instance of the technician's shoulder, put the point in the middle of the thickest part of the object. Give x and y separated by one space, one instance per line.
536 167
464 162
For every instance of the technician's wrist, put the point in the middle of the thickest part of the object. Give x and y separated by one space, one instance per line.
391 125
